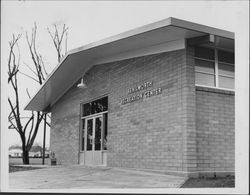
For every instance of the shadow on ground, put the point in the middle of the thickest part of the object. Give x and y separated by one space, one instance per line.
217 182
13 168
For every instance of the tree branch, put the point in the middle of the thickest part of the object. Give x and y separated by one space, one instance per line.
28 76
17 119
31 141
28 93
30 119
30 69
57 39
44 69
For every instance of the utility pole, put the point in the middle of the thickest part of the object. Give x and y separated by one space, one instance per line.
44 137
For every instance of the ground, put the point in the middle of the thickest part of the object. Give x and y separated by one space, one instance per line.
82 177
37 176
228 181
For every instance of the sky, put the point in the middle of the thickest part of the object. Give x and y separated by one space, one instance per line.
90 21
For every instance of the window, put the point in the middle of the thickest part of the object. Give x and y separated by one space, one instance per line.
95 107
226 69
214 68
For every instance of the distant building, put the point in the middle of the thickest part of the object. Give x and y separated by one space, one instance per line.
15 153
38 154
35 154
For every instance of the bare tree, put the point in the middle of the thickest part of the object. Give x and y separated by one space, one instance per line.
18 122
58 38
27 126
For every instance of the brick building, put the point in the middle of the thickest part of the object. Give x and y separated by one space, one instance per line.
159 97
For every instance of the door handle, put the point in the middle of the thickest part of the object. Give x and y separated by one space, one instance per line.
91 139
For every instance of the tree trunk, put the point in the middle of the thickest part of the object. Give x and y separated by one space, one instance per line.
26 160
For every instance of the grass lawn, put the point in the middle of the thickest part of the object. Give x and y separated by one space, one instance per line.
217 182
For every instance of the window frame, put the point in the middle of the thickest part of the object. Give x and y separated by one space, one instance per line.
216 70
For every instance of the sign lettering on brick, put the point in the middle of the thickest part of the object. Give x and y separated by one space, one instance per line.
141 95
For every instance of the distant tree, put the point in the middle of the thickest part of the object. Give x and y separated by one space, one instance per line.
27 126
16 146
36 148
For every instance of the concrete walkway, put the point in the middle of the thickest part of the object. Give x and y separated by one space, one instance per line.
82 177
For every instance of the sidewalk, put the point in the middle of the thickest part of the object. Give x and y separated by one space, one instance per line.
82 177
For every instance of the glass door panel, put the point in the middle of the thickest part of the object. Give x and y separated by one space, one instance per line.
98 133
105 131
83 135
89 134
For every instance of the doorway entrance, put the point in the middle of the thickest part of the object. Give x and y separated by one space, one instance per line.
94 132
94 139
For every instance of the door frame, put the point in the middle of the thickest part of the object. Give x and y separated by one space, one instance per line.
86 118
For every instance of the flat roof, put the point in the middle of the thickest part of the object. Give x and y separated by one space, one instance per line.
78 61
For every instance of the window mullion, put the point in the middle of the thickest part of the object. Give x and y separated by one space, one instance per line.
216 68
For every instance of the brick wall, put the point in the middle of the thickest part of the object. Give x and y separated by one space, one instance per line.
215 130
64 134
148 134
188 114
153 133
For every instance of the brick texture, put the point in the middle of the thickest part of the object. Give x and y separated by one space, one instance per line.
215 130
148 134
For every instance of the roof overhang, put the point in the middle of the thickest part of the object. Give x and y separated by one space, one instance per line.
165 35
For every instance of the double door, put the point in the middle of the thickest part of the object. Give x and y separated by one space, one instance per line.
94 140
